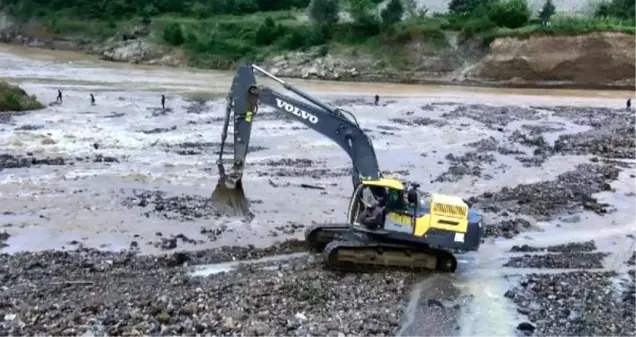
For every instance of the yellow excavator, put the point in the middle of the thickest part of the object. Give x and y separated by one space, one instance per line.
414 230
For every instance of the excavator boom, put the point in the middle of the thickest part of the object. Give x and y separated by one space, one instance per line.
242 109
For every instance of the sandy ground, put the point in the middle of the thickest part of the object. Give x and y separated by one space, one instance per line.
93 203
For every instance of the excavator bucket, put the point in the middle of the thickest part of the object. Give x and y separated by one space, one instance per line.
229 198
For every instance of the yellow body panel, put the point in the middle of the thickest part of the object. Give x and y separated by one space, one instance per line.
385 182
248 116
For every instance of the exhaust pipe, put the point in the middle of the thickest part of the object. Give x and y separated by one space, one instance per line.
229 199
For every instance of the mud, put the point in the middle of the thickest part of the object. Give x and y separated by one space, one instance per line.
199 148
569 192
159 130
29 127
492 145
580 303
9 161
4 236
182 207
558 261
494 117
419 121
309 173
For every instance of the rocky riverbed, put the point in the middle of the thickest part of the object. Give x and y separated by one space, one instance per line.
106 226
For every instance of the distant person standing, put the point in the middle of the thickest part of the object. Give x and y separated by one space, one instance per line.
92 99
629 104
59 96
377 99
163 102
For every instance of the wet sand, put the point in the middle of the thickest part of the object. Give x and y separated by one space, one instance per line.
102 204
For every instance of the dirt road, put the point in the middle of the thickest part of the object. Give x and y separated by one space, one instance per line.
125 174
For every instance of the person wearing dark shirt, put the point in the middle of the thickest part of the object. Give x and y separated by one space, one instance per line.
377 99
629 104
373 217
92 99
59 96
163 102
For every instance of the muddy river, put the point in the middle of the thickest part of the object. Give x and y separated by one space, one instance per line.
124 173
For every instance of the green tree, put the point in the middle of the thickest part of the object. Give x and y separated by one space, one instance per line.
510 13
392 13
546 12
324 13
624 9
365 19
465 7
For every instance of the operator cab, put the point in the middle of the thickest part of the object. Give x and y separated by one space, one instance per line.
397 200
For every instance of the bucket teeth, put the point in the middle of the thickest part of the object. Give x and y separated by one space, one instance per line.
230 200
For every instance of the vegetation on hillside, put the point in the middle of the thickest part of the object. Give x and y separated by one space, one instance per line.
216 33
13 98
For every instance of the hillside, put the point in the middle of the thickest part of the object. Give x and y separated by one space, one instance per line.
493 42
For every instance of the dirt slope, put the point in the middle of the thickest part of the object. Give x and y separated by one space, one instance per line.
597 59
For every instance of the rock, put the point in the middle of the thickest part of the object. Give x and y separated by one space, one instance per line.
124 293
9 29
139 51
576 303
468 164
525 326
560 261
587 246
547 199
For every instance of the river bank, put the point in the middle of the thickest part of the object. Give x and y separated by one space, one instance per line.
542 61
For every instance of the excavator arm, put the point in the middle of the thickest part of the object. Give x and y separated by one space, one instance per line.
242 108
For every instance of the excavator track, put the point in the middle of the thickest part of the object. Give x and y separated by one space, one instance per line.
319 235
360 256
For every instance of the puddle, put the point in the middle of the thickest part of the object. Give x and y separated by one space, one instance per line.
484 311
217 268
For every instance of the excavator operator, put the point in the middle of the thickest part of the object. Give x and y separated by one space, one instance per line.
373 217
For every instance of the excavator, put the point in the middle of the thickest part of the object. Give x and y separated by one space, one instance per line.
419 231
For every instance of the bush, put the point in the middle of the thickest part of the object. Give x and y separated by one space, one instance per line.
173 34
509 13
303 37
13 98
623 9
475 26
268 32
